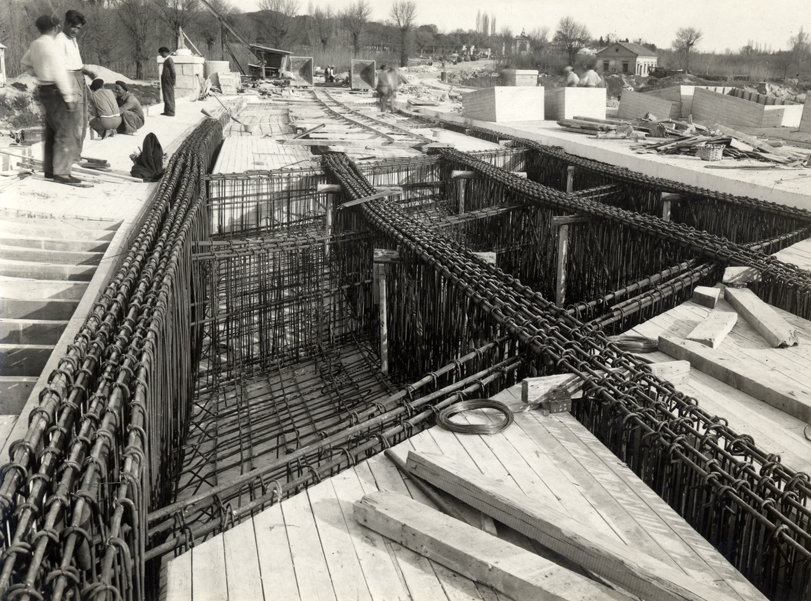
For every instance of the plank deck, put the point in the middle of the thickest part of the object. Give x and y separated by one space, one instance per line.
314 543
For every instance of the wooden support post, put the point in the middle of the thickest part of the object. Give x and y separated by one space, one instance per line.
667 203
570 179
521 174
562 223
329 204
460 177
384 329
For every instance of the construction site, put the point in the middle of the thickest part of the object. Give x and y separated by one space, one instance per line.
495 344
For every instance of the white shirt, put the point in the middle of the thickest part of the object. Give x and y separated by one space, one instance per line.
46 59
73 58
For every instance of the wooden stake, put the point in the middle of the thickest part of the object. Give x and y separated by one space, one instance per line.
570 179
563 252
384 330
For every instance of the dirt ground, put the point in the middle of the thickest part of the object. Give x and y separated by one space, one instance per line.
19 107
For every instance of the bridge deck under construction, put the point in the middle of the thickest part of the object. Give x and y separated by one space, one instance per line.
316 287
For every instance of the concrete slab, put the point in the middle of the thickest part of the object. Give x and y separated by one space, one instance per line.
788 188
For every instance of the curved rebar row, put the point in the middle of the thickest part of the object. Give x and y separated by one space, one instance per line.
693 459
80 468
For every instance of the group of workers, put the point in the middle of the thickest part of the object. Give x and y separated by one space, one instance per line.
55 60
590 79
329 74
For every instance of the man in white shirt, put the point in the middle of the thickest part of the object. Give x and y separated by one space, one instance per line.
67 40
58 98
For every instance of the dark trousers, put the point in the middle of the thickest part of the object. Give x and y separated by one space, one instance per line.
79 116
130 122
60 132
168 97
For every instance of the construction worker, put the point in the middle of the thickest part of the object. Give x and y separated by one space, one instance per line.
104 109
132 113
383 88
571 78
67 40
58 97
167 82
591 79
394 85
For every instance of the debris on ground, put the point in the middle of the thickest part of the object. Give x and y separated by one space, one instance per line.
669 136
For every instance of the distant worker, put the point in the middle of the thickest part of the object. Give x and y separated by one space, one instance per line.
132 113
571 78
67 40
168 82
332 73
383 88
58 97
591 79
394 85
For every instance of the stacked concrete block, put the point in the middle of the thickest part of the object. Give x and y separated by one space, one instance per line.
567 103
189 72
519 77
505 103
635 105
362 75
712 107
805 121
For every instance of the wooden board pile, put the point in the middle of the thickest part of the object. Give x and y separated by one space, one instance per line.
670 136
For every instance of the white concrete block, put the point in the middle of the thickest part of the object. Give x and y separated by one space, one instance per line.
505 103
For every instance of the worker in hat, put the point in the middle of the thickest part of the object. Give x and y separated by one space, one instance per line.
571 77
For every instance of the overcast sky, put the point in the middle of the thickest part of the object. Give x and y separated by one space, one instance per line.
725 23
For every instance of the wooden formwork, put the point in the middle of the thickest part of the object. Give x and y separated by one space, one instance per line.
505 103
302 68
362 75
712 107
635 105
805 121
567 103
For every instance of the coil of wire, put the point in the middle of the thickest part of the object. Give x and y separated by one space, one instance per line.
444 417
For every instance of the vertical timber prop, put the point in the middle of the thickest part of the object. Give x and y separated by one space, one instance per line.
382 259
459 177
667 204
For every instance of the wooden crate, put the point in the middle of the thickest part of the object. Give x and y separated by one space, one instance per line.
712 107
635 105
362 75
505 103
567 103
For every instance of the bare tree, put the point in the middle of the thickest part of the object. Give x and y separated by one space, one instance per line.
572 35
800 48
403 13
138 20
279 20
354 20
102 40
178 14
539 37
686 39
321 25
209 28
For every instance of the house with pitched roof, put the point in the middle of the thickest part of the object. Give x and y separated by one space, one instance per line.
627 57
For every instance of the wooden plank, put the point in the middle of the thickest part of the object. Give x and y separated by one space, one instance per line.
275 558
242 563
381 194
714 328
562 264
706 296
379 570
639 574
179 578
740 276
345 571
312 573
208 569
473 553
748 376
762 317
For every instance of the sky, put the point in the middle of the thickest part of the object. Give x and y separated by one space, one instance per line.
724 23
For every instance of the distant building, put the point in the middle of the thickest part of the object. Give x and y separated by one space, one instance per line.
521 44
627 57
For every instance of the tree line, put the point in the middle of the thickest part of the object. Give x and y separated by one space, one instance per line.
130 31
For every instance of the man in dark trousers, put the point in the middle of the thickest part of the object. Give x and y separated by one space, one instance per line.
168 82
59 100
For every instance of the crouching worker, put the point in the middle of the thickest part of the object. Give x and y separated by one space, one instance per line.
132 114
104 110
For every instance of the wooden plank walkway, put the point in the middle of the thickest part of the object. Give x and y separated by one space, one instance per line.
310 547
246 153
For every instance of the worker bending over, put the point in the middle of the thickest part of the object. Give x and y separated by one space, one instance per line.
104 110
571 77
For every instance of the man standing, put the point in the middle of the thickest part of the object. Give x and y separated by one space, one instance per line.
591 79
132 114
67 41
167 82
58 98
